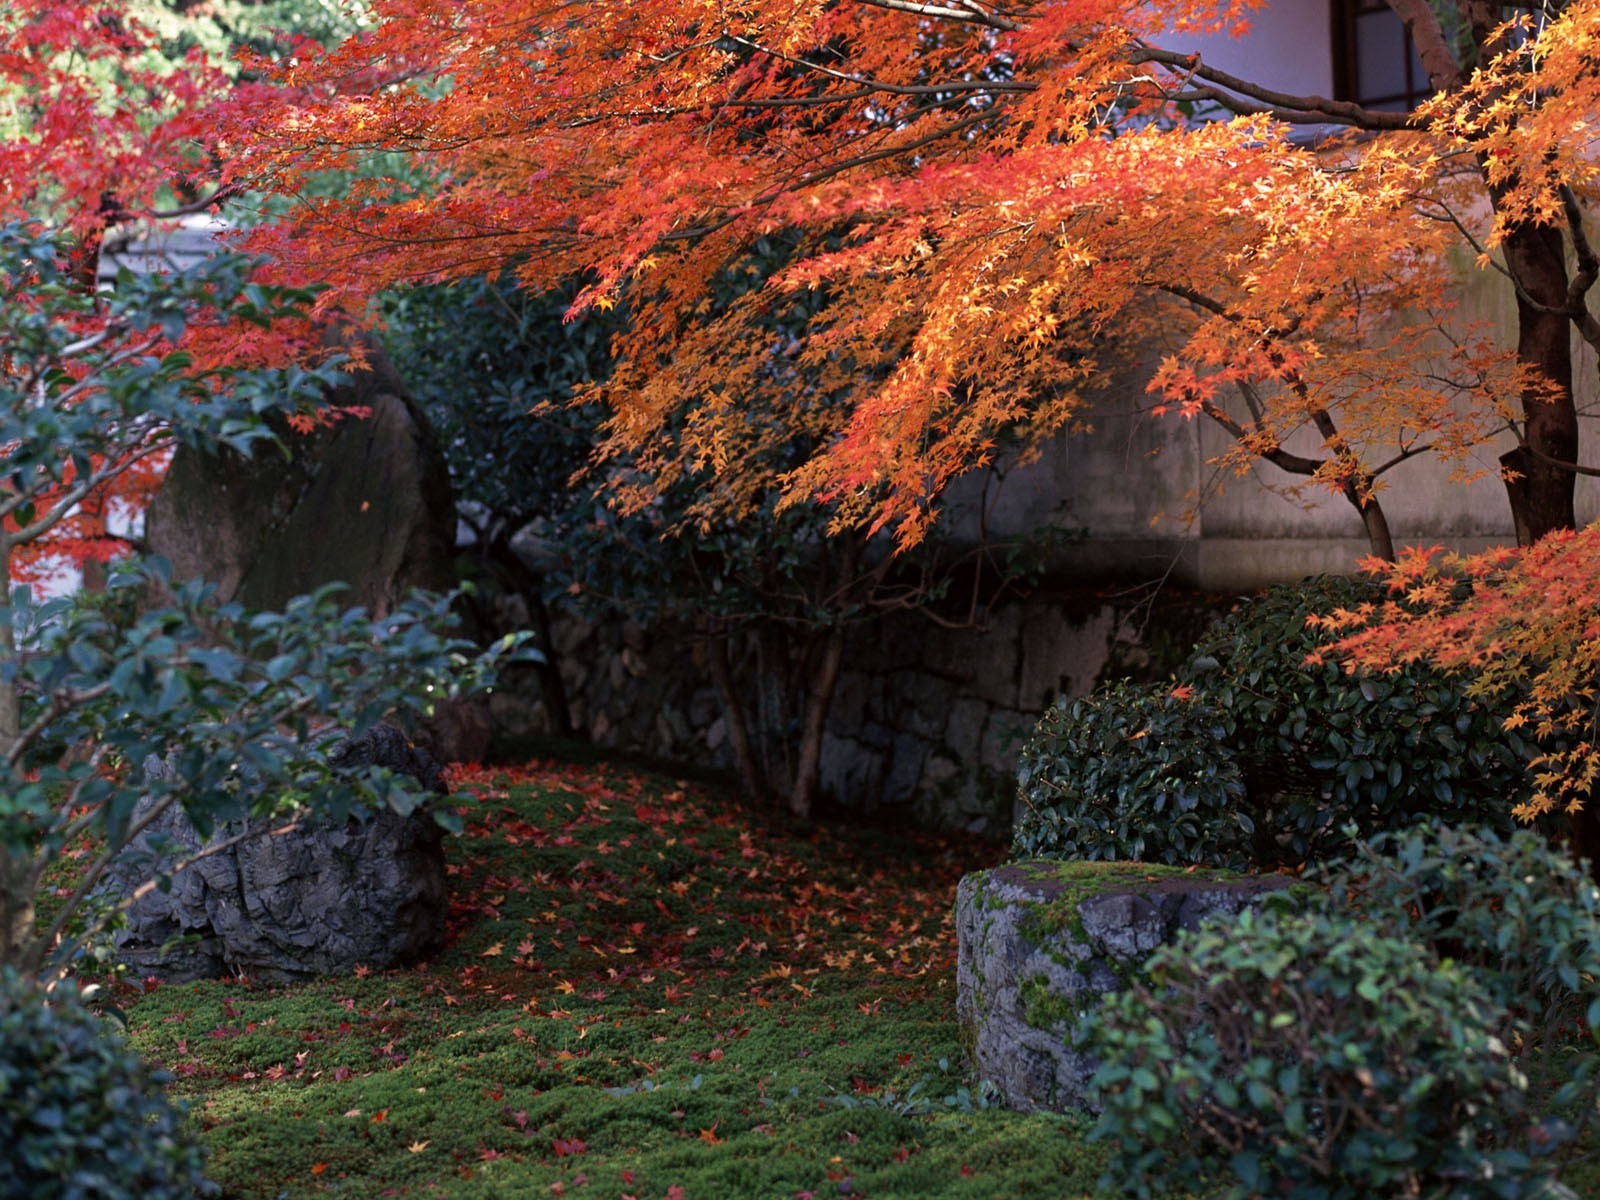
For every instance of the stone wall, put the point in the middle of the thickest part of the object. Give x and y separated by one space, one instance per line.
926 722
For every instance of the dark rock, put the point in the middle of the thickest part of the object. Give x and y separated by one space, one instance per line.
291 901
1038 944
385 745
365 502
457 731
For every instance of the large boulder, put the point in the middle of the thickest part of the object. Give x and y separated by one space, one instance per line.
1040 941
365 501
284 901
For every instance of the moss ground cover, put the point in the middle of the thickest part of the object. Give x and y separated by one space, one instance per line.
648 993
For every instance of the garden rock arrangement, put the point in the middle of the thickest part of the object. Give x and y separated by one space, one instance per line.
321 898
1040 941
365 500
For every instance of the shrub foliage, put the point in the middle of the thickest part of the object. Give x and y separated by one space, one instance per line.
1292 754
1345 1050
1133 772
82 1117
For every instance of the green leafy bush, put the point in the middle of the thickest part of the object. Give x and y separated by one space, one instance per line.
1257 758
1516 911
1133 772
82 1117
1375 1043
1307 1055
1324 749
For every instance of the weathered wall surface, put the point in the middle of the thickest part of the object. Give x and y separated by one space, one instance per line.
926 723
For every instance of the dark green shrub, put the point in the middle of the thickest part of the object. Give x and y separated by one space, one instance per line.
1260 759
1382 1041
1307 1054
1518 913
1133 772
1322 749
82 1117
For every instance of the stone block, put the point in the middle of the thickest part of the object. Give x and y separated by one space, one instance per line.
1040 942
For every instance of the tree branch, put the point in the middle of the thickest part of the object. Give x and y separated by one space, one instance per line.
967 13
1427 36
1241 96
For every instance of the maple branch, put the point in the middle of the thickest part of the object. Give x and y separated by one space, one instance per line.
1294 464
1403 455
1560 463
1447 216
800 179
970 14
1428 39
894 89
225 192
1588 269
1251 99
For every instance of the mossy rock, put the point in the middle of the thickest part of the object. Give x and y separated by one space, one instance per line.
1041 940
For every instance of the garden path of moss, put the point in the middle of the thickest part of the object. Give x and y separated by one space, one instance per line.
647 988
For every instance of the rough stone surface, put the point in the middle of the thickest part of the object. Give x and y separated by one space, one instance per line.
385 745
1039 942
320 899
457 731
366 502
926 722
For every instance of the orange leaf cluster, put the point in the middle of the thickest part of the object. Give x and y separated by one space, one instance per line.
1004 208
1521 628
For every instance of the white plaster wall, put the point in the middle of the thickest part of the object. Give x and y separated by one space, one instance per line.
1287 48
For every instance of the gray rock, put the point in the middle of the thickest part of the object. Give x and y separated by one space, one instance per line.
1039 942
385 745
319 898
366 502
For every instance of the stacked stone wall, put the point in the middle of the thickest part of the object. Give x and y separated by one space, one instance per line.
926 722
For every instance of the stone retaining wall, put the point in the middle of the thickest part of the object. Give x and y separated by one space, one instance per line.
926 722
1040 941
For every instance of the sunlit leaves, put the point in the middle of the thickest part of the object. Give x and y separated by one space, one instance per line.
1521 627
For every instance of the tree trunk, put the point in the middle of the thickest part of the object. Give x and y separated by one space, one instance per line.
745 761
1541 492
819 699
1373 520
515 576
551 686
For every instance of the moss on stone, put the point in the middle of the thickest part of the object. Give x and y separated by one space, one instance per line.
1071 883
1045 1008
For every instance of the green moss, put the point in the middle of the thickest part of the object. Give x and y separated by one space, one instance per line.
645 987
1071 883
1045 1008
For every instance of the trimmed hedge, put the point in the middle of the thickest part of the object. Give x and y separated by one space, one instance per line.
1256 758
82 1116
1343 1049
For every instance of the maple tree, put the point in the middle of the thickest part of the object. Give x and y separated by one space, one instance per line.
1007 200
765 600
1007 204
1521 631
95 388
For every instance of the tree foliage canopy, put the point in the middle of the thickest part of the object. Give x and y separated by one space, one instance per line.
1008 202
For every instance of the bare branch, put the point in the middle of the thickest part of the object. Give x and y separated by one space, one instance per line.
1246 98
895 89
970 14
